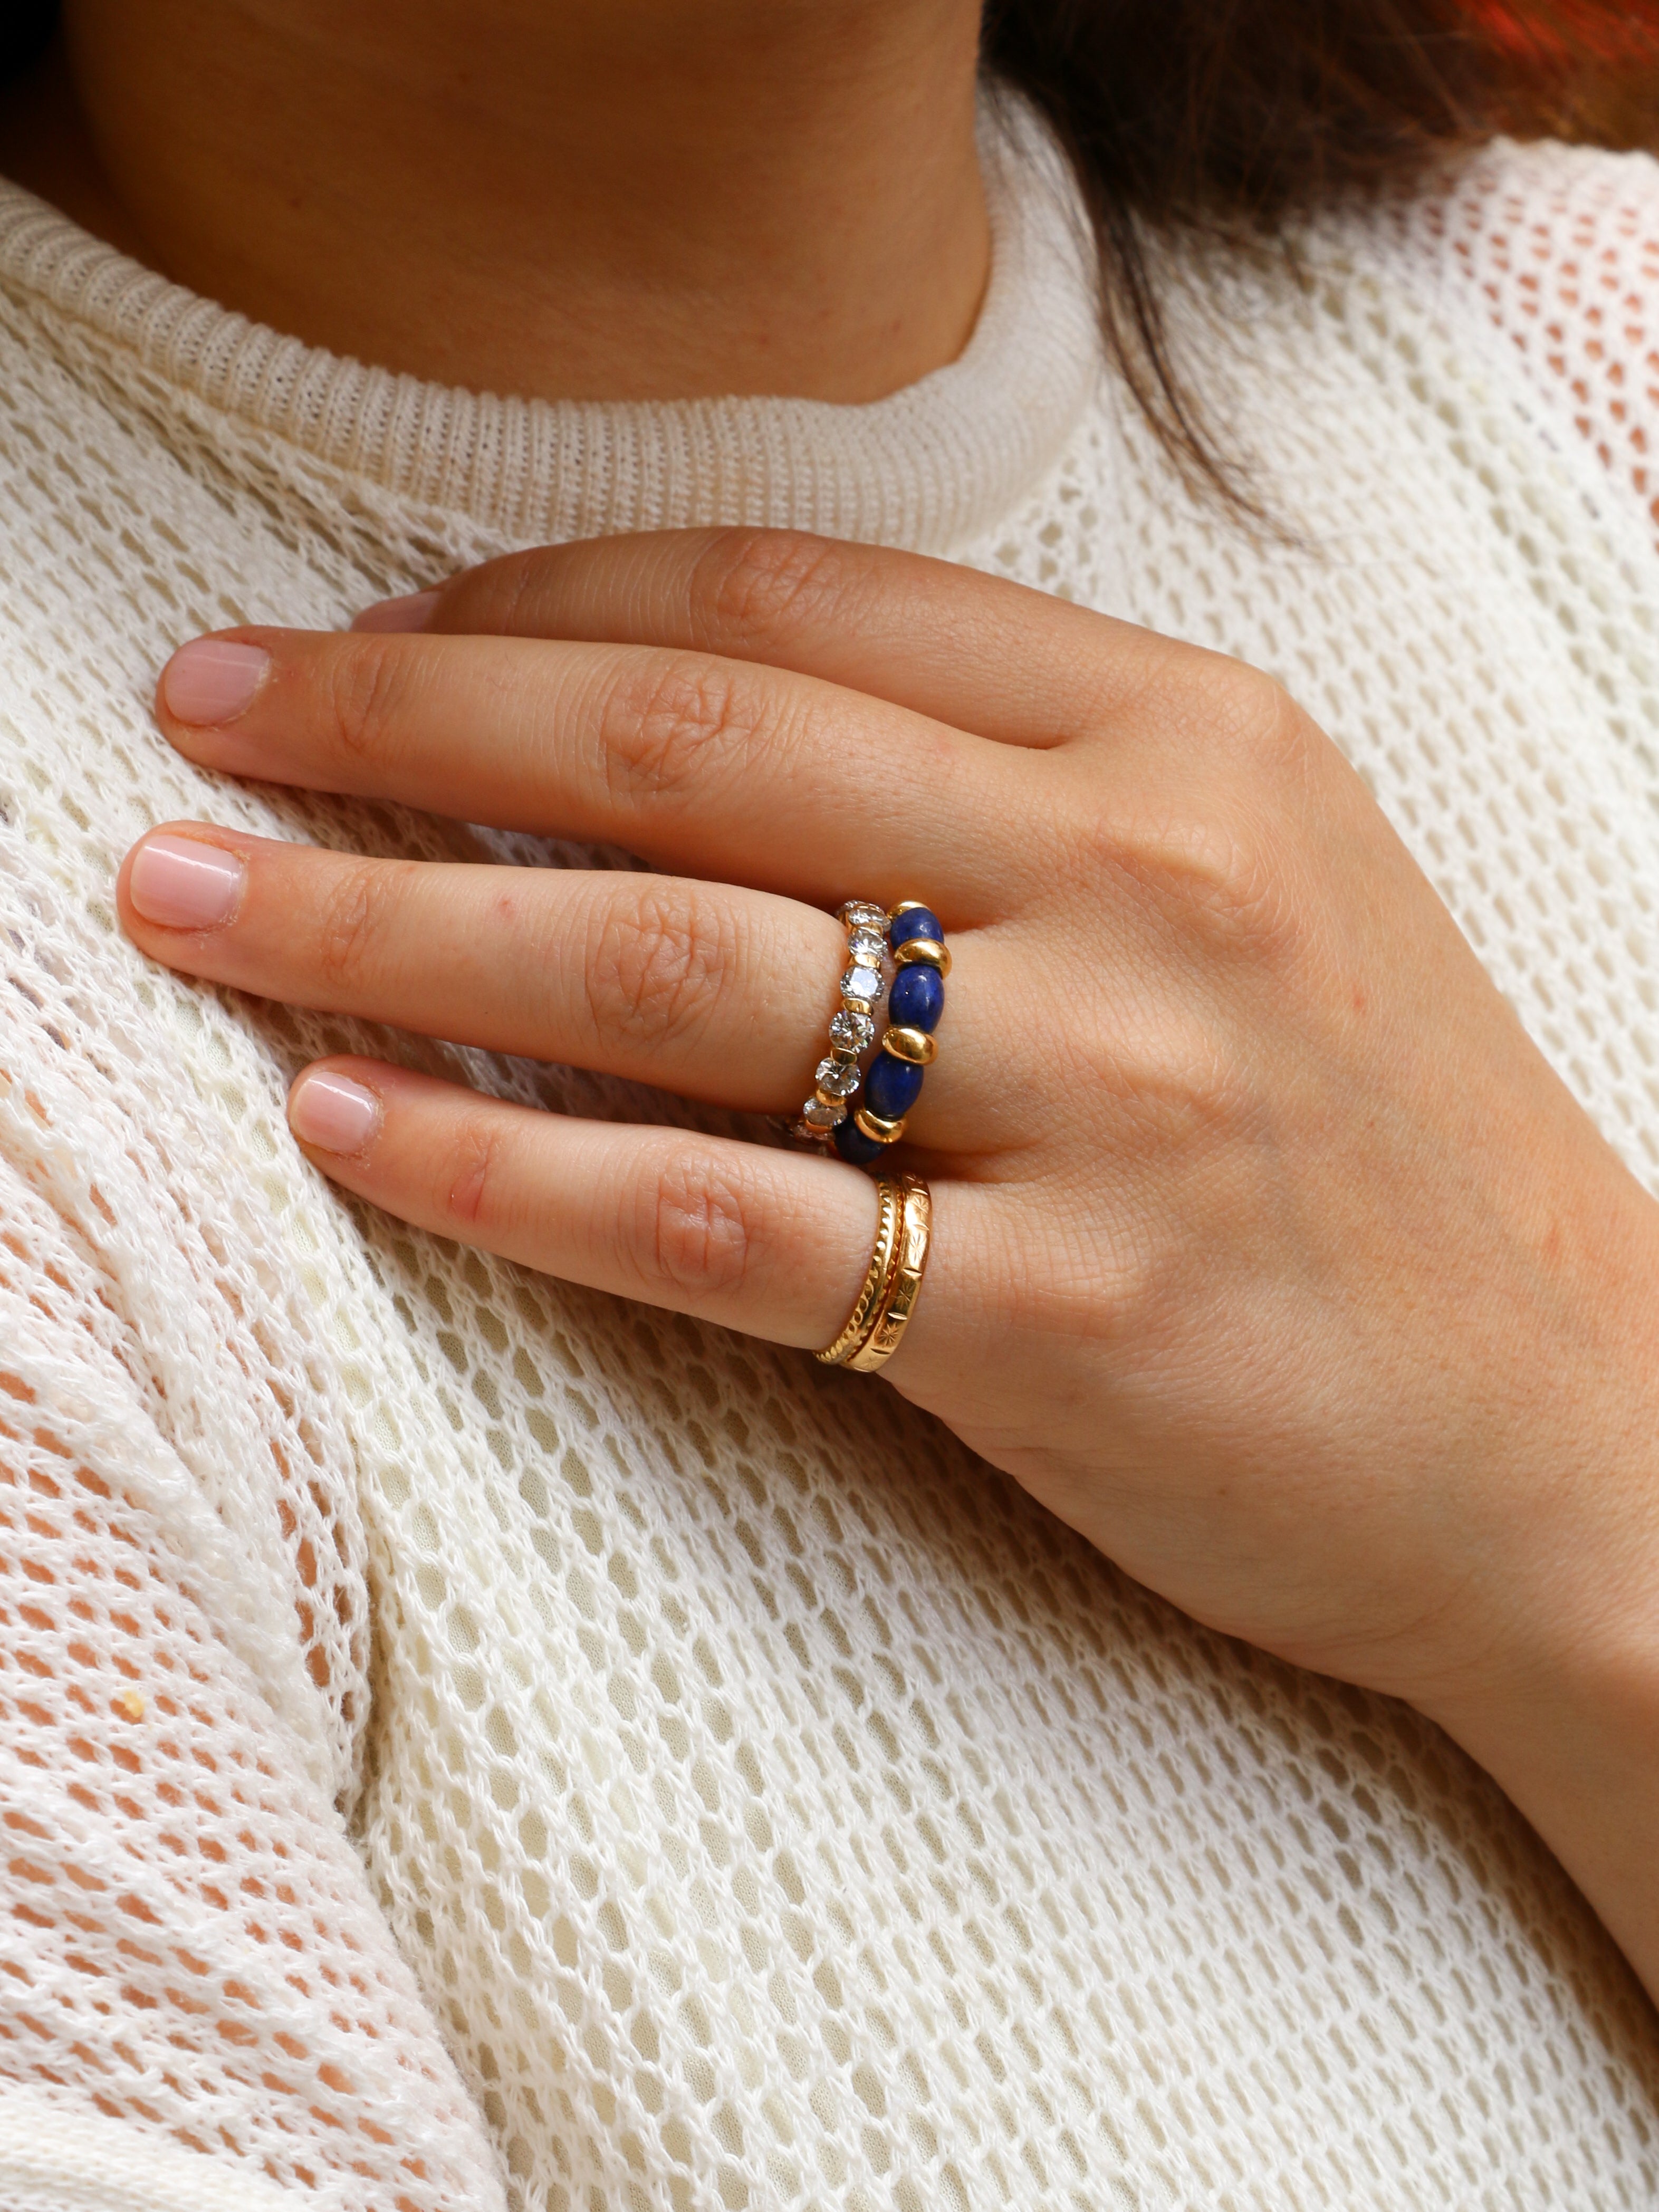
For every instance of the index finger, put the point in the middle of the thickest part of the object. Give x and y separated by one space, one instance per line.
999 658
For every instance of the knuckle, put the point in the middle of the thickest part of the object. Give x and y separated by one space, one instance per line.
1227 714
1220 853
1179 1087
1252 720
1220 881
667 734
752 588
473 1178
1248 701
504 596
367 685
658 961
693 1229
347 922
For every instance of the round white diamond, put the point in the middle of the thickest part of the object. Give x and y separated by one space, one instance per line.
850 1032
864 946
859 914
823 1113
862 984
837 1078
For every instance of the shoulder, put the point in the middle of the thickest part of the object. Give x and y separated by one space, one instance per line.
1545 240
1555 250
1557 243
1509 208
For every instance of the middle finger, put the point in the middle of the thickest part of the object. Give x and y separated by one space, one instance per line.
708 767
717 993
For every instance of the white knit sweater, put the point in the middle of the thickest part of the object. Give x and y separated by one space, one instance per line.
465 1739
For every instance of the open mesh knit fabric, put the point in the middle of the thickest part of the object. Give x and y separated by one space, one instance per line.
468 1742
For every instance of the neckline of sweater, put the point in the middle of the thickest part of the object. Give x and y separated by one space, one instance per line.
929 467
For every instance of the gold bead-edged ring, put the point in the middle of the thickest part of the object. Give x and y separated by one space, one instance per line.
866 1307
883 1306
910 1264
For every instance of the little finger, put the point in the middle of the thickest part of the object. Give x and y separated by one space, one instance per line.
775 1244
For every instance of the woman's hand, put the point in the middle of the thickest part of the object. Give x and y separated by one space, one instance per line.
1268 1251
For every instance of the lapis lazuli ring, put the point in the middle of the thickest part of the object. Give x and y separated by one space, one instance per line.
897 961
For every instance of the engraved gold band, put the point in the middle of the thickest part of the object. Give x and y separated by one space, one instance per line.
910 1264
882 1308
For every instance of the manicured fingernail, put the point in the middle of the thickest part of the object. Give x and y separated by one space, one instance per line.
212 679
412 612
332 1113
183 884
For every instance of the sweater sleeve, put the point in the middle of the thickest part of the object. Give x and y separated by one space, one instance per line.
1561 245
202 2000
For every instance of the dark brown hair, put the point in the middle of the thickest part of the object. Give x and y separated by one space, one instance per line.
1231 116
26 28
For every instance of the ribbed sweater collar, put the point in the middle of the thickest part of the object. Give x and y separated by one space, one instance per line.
931 466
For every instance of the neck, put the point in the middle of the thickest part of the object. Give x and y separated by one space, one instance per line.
569 198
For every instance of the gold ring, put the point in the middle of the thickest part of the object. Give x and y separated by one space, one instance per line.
883 1306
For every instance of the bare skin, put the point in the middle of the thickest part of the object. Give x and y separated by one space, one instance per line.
620 199
1270 1253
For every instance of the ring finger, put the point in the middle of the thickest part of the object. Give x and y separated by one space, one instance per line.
715 992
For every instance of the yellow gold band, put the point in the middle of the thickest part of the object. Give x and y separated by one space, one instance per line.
885 1304
910 1264
866 1307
